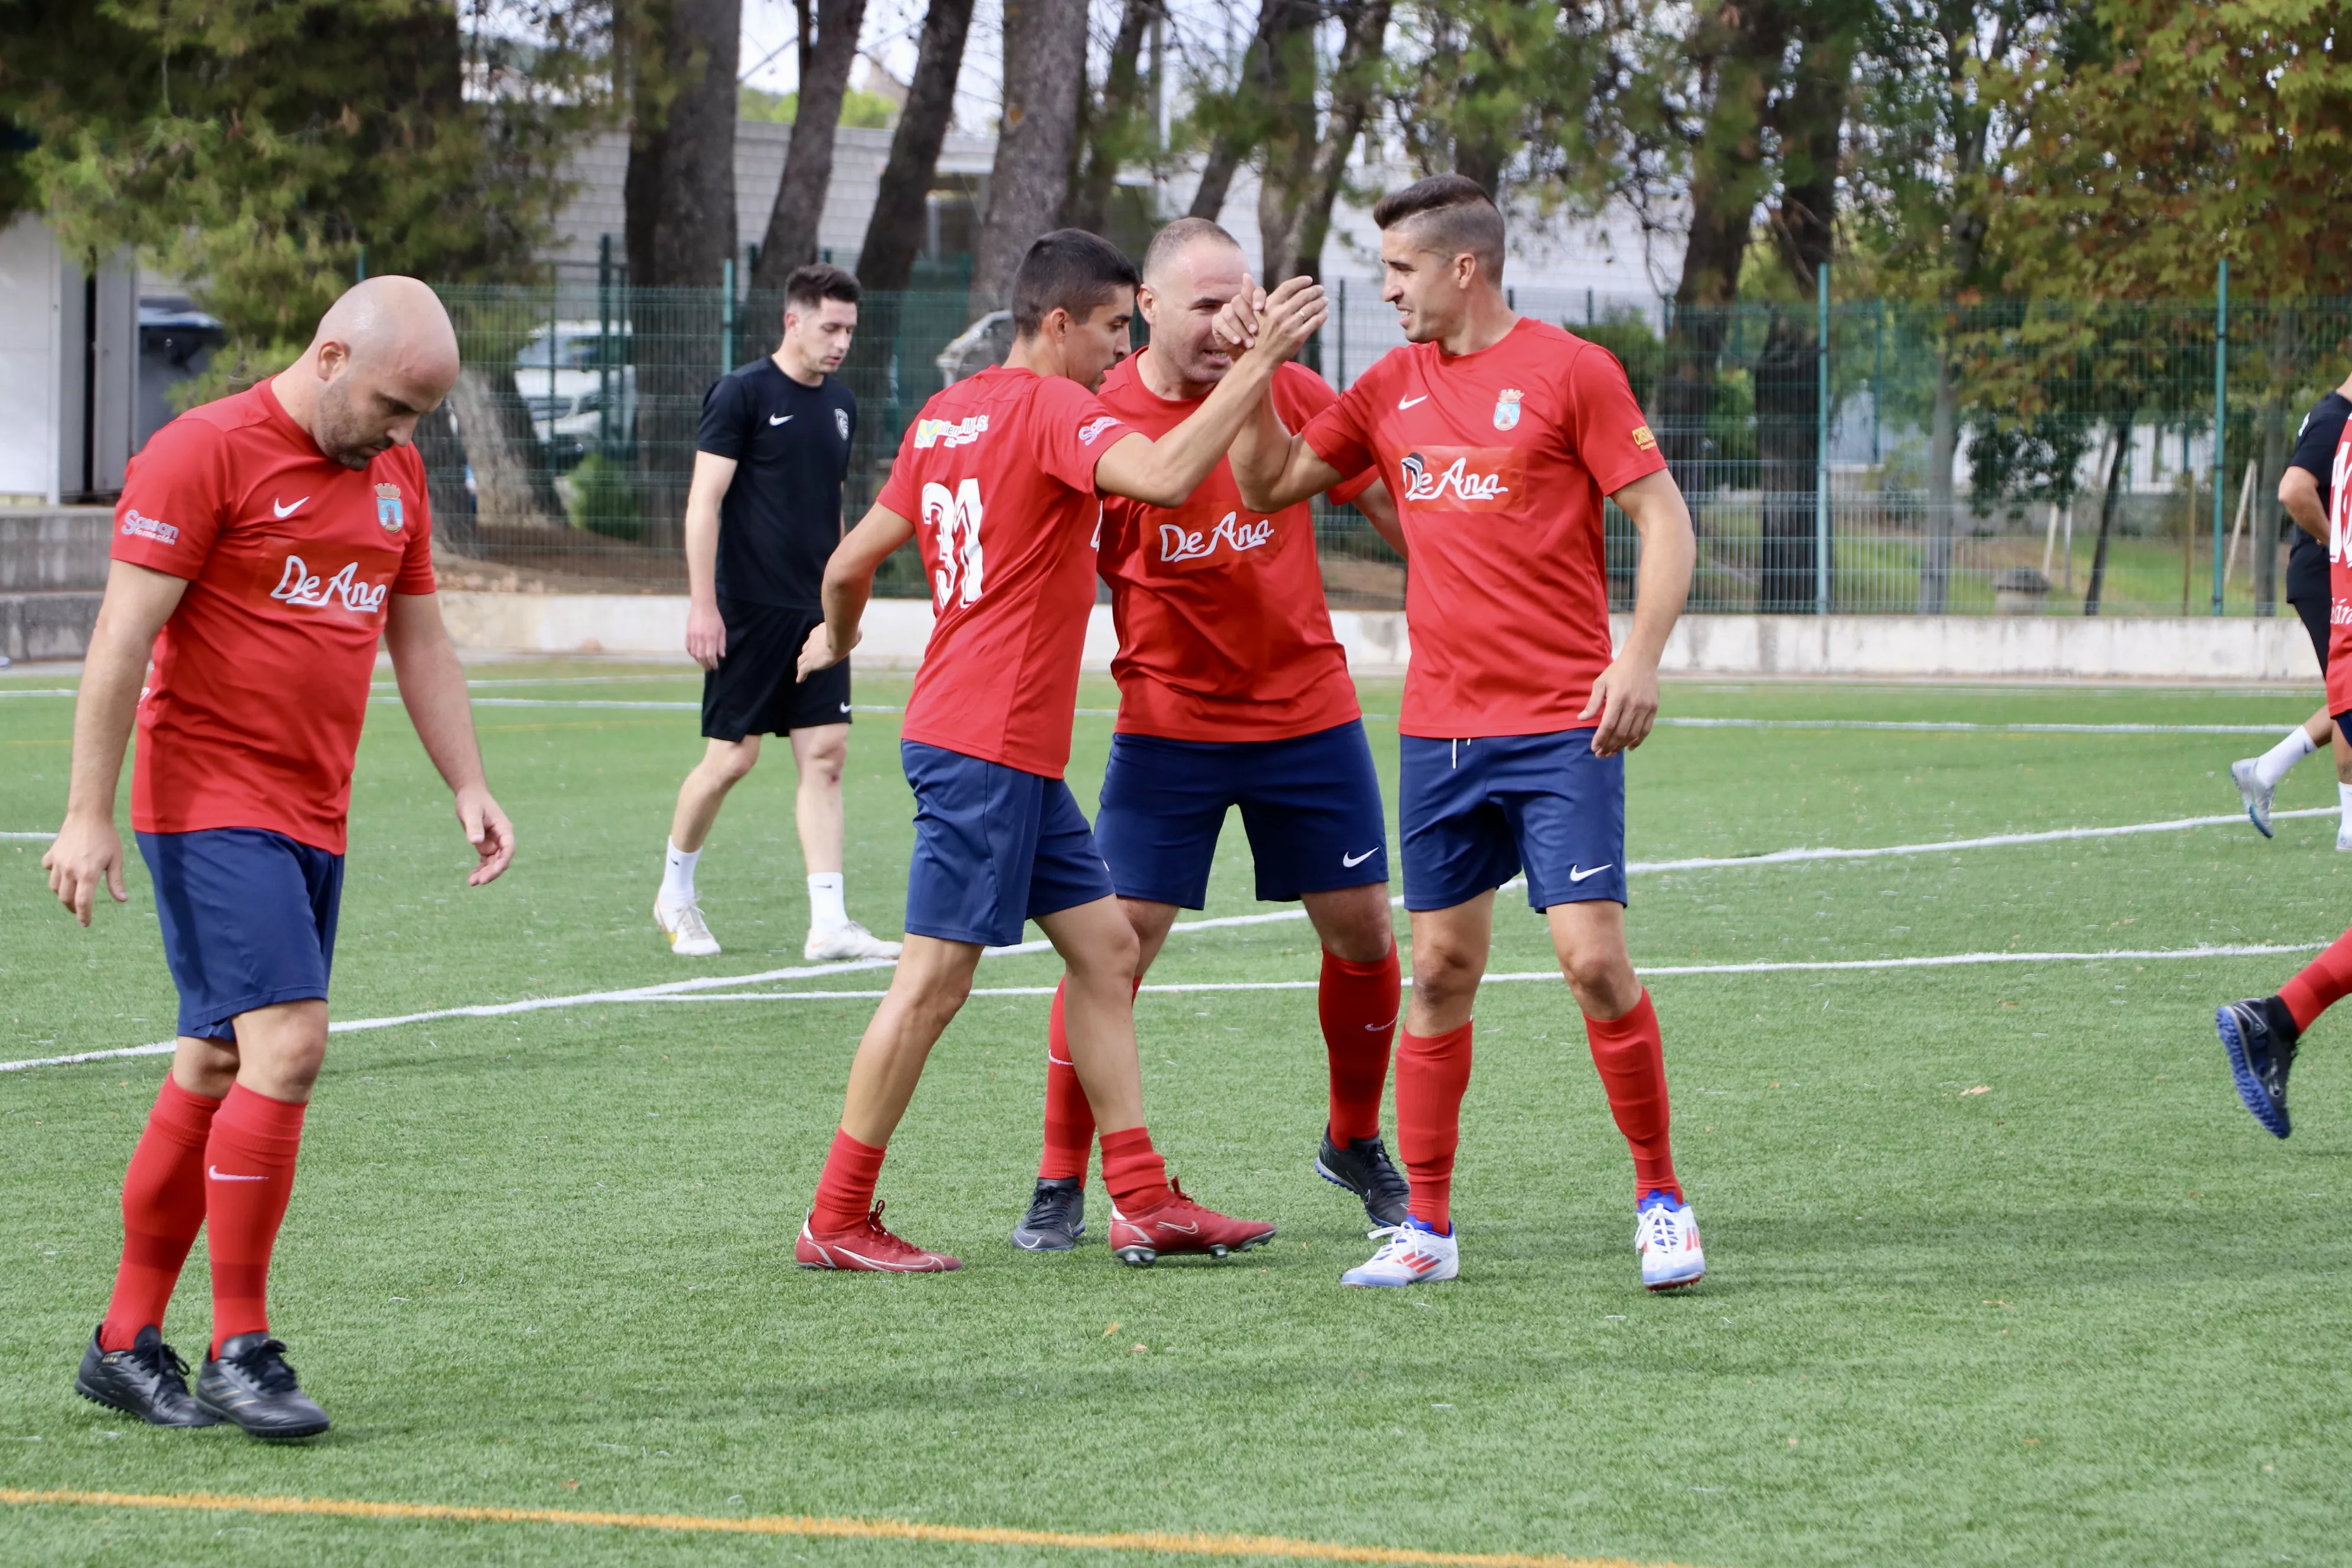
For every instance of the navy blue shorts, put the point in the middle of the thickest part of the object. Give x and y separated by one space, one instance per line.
993 846
1475 812
249 920
1311 804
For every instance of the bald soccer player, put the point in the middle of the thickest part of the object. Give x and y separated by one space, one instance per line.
263 545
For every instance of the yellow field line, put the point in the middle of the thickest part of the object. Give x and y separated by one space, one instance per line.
1189 1544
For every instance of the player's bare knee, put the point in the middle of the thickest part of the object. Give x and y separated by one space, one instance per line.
1602 980
1110 960
1444 978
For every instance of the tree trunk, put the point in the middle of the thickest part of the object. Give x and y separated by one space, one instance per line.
1110 121
894 236
1943 454
808 161
680 61
1787 446
1303 168
2271 521
2116 467
443 450
1045 73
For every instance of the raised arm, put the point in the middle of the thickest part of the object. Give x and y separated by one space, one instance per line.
1626 694
706 632
88 850
848 584
1164 472
433 690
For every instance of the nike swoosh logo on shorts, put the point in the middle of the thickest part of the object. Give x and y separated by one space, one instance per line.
216 1172
283 511
780 418
1576 875
845 707
1404 403
1352 861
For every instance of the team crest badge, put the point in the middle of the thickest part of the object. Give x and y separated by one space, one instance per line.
1506 409
387 508
841 422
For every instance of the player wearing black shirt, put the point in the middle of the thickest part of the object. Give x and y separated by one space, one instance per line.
2303 492
762 515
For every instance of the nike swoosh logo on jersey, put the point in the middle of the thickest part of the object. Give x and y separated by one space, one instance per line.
1404 403
780 418
1352 861
283 511
1578 875
215 1171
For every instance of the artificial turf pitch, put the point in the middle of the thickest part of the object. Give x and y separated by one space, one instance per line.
1999 1270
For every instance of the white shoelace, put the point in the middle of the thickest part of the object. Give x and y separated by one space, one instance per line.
1659 1228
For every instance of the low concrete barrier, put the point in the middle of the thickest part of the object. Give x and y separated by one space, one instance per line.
1825 646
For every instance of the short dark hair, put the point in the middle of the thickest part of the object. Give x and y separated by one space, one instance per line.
1069 270
810 287
1176 237
1450 213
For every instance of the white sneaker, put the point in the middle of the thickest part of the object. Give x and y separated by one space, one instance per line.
835 944
1412 1254
2255 793
2343 835
690 935
1665 1235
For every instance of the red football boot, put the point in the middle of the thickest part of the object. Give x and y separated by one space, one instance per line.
1181 1225
867 1247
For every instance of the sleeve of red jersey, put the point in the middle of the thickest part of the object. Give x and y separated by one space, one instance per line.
1072 431
415 575
1341 433
1300 394
899 493
1611 434
175 498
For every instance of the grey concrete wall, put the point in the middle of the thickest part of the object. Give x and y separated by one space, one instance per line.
53 565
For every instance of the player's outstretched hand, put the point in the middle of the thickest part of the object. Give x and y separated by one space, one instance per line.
488 831
706 636
1293 313
84 856
1626 698
1236 322
817 653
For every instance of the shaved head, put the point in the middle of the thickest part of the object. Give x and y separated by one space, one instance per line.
384 356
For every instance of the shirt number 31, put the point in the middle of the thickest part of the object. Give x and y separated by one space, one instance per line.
955 515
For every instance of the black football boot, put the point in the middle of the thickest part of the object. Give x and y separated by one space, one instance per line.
1363 1167
250 1383
148 1381
1057 1217
2260 1035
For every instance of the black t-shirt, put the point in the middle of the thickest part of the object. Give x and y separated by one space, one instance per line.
2314 454
781 515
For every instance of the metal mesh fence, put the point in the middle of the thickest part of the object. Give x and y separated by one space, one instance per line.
2042 457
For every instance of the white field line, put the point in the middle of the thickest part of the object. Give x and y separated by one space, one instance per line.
1941 725
30 838
38 691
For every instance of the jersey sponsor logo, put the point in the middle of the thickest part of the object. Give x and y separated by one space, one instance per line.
1094 427
1506 408
954 518
387 508
1463 478
841 422
136 524
930 433
1643 440
299 586
1178 544
2339 500
286 509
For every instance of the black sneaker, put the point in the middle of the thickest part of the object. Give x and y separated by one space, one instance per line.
1363 1167
1057 1217
148 1381
2260 1035
250 1383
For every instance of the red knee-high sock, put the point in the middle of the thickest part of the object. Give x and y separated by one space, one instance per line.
249 1174
163 1209
1433 1073
1358 1004
2325 981
844 1193
1133 1170
1630 1056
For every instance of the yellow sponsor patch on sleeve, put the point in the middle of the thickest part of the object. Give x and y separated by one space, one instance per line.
1643 439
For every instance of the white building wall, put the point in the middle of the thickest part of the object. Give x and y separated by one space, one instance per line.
31 336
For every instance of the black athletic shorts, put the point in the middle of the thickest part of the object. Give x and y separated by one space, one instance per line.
752 692
2314 614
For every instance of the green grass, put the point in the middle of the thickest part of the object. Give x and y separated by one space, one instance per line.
2089 1315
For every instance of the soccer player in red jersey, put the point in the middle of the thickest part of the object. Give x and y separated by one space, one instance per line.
2261 1035
1499 436
262 545
1232 691
1000 479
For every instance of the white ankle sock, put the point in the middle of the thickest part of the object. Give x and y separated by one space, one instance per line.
828 909
2272 764
2344 805
678 875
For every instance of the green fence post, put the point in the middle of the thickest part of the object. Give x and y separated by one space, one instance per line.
2220 410
1821 444
726 316
604 347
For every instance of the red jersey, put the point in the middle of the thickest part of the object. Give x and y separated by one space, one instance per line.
998 476
1498 461
251 716
1223 633
2339 576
